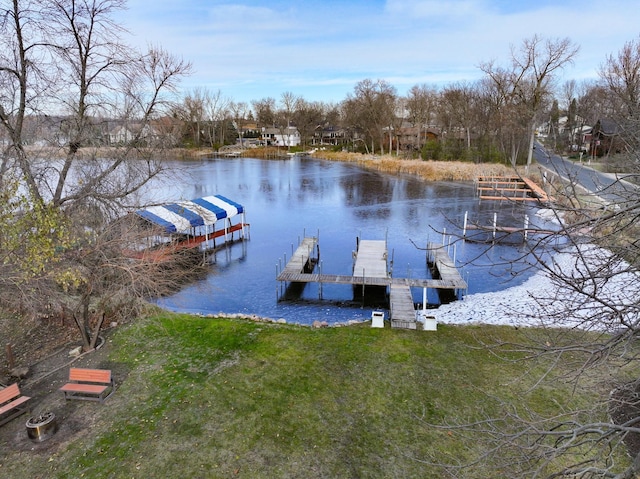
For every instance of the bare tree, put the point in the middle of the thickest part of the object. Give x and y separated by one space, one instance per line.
25 68
307 116
103 284
506 118
193 113
216 108
265 110
621 76
421 106
66 56
239 111
531 75
284 116
457 112
371 108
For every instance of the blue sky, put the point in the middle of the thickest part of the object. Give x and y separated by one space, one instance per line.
251 49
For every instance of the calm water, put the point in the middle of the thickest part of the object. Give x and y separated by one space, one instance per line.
287 199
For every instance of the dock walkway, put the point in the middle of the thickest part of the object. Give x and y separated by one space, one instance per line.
447 271
401 309
371 260
300 262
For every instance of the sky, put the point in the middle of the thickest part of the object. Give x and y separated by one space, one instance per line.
320 49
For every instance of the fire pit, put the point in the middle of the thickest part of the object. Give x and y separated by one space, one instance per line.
42 427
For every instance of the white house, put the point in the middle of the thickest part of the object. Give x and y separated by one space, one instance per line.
281 136
123 134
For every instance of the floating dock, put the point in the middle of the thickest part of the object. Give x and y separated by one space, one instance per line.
371 269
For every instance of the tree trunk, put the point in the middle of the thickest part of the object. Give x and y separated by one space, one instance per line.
532 140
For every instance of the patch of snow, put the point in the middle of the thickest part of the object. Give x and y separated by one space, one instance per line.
541 301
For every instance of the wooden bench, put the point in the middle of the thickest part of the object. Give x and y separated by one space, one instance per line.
89 384
11 402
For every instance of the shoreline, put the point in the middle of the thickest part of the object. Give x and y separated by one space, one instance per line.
428 170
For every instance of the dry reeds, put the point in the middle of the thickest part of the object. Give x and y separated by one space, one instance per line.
427 170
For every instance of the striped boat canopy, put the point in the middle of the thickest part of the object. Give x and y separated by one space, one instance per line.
181 216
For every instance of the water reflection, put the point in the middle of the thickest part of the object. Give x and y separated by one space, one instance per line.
288 199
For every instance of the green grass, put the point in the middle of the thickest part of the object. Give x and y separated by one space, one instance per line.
205 398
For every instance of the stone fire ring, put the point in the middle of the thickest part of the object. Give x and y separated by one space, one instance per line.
42 427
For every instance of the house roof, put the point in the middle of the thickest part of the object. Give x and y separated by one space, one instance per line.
606 126
291 130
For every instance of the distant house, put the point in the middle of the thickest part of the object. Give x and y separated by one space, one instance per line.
330 135
248 129
289 136
144 135
605 138
415 137
167 131
120 135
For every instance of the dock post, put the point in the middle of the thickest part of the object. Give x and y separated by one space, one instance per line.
464 225
424 299
526 226
495 224
391 262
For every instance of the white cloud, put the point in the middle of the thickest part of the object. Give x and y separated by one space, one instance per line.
283 44
434 9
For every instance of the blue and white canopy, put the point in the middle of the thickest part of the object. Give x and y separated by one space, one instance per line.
181 216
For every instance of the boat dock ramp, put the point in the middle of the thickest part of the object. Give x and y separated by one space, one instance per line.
371 269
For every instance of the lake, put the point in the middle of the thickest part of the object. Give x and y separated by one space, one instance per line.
339 202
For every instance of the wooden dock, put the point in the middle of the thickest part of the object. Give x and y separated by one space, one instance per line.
505 231
371 259
512 230
513 188
301 262
402 312
371 269
447 271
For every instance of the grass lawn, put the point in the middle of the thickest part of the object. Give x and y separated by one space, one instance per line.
221 398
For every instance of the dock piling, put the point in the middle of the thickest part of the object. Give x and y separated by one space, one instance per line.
495 224
464 225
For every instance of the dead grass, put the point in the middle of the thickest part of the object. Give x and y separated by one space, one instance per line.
427 170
